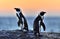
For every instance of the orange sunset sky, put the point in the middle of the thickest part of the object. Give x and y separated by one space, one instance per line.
30 7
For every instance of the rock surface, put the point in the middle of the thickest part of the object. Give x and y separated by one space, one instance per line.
18 34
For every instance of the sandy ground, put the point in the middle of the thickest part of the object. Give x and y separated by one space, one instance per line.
18 34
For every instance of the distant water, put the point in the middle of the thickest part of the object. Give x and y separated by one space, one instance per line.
10 23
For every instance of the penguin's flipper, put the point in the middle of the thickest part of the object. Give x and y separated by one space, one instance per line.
18 23
43 25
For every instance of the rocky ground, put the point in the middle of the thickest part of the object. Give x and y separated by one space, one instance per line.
18 34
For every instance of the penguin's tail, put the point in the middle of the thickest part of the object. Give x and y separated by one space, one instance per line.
43 25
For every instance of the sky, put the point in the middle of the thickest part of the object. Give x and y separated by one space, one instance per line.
30 7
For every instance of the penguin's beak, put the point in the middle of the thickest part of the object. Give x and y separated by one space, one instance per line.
43 12
15 8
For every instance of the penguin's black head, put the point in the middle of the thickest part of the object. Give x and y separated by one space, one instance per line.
17 9
42 13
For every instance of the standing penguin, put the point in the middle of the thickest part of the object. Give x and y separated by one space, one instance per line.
19 15
36 24
41 22
20 21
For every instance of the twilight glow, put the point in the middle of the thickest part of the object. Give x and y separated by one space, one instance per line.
30 7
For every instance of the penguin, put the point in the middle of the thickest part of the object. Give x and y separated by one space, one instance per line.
41 22
36 23
19 15
25 24
22 20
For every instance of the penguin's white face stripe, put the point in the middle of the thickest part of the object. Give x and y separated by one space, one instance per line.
18 13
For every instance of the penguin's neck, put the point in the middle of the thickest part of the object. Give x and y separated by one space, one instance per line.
18 14
42 17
